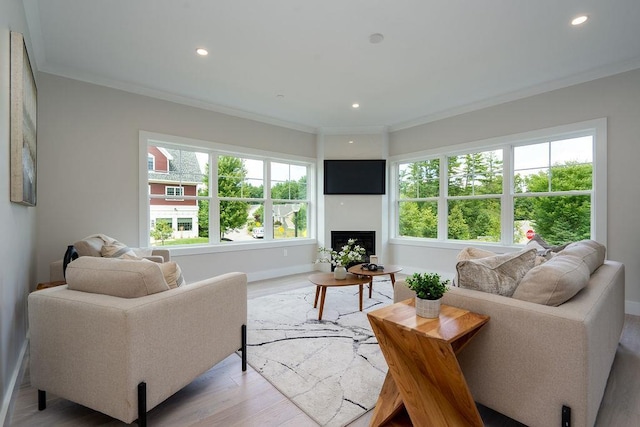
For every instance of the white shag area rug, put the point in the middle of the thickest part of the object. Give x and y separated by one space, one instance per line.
332 369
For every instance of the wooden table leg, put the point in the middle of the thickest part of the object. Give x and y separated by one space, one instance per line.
360 286
315 302
393 280
323 294
389 403
370 287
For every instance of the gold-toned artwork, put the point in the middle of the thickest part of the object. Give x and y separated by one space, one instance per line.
24 109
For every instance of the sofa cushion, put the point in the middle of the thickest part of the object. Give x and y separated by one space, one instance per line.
172 274
89 246
117 277
498 274
473 253
554 282
551 248
590 251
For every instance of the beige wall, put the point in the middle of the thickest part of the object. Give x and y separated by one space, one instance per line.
17 250
617 98
88 169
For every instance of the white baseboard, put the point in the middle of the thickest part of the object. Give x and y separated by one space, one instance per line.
279 272
13 386
632 307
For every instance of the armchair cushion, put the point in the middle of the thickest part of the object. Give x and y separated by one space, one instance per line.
117 277
118 250
90 246
172 274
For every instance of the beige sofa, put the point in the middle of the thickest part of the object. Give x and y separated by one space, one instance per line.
530 360
124 356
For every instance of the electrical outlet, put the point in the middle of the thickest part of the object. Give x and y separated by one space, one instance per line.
285 252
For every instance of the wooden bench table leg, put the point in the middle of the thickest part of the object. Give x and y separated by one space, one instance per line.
323 294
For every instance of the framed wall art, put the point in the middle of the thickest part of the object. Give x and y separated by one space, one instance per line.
24 109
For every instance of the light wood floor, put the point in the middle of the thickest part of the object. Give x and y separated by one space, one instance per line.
226 396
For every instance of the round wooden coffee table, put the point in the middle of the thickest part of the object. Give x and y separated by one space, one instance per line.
326 280
391 270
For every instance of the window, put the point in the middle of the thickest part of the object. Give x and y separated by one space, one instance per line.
151 162
173 191
185 224
550 182
419 188
289 195
553 183
474 190
215 196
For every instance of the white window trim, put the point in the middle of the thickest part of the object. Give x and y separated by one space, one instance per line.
174 197
146 137
597 127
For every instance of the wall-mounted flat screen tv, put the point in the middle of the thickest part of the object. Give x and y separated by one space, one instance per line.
355 176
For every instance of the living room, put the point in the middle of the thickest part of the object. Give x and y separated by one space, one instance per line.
89 165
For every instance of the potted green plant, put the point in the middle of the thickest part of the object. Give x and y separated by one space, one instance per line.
429 288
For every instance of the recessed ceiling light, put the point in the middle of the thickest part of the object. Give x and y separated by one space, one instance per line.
355 105
350 142
202 51
376 38
579 20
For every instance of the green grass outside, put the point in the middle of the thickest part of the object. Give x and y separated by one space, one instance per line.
191 241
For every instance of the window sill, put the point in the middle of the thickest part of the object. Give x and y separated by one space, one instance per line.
437 244
236 246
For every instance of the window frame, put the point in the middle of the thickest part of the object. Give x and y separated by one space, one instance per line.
214 150
174 197
597 128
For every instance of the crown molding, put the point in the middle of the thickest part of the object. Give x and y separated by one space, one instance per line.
171 97
594 74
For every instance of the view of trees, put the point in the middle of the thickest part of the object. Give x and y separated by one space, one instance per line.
558 219
234 214
162 231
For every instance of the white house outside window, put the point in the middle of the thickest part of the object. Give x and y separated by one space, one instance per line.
216 197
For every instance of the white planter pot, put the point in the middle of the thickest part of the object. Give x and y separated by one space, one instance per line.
428 308
340 273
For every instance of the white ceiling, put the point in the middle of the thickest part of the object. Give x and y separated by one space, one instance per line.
438 57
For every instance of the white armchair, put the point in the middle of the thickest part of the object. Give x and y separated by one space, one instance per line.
123 356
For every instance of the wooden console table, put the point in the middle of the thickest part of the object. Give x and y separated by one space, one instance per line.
424 375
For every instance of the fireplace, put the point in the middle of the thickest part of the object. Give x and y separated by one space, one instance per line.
366 239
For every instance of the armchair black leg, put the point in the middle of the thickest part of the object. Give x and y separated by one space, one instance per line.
244 348
566 416
142 404
42 400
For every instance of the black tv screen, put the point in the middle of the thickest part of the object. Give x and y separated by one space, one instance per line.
354 176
